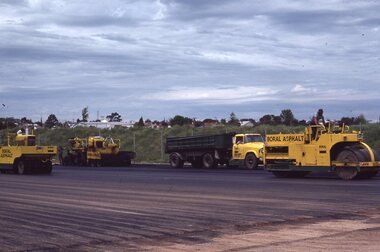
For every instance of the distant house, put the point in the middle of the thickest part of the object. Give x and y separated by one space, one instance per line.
247 123
104 124
210 123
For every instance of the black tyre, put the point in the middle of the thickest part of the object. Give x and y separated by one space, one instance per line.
208 161
21 167
251 161
175 160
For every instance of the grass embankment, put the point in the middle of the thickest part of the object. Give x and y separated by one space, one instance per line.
147 142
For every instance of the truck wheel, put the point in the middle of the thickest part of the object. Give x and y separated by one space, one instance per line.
208 161
175 160
21 169
251 161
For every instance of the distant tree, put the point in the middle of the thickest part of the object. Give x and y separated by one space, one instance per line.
51 121
180 120
223 121
360 119
347 120
266 119
39 123
302 122
197 123
141 122
164 123
85 114
66 124
114 117
287 117
2 123
233 119
24 120
276 120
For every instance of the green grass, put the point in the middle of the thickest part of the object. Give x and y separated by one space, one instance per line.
148 141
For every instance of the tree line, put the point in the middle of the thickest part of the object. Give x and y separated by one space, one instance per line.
286 117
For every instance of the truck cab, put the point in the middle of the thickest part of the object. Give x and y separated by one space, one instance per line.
247 150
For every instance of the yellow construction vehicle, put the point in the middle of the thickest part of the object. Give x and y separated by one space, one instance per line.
23 156
319 148
97 151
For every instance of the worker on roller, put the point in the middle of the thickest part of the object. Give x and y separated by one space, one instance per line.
318 118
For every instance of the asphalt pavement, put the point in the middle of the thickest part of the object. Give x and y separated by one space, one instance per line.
147 207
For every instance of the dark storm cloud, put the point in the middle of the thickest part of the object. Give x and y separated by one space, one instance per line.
199 58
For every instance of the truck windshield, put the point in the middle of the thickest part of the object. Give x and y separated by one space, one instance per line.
253 138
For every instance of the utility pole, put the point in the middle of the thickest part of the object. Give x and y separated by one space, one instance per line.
162 145
134 142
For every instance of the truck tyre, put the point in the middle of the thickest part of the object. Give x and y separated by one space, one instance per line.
21 169
251 161
176 161
208 161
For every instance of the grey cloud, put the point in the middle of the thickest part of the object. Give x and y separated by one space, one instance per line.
12 2
94 21
80 53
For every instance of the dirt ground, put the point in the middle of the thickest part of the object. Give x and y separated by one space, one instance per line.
360 234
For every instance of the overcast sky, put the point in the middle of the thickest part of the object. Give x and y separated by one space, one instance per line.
196 58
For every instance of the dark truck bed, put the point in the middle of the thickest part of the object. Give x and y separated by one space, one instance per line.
197 149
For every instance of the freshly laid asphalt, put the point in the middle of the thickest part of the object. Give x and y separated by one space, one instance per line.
127 209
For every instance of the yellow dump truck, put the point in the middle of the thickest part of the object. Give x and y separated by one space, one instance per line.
23 156
97 151
319 148
209 151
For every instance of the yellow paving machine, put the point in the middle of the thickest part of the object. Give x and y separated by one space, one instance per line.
97 151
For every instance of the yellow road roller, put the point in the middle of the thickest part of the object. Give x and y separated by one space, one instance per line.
23 156
321 148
